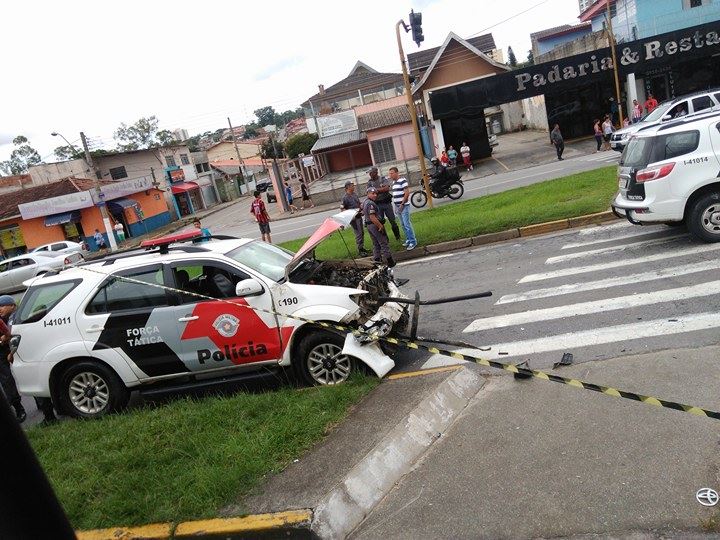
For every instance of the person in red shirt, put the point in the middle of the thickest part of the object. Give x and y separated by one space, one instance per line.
258 210
444 159
651 103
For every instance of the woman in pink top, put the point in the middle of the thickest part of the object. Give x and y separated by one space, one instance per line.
598 134
636 111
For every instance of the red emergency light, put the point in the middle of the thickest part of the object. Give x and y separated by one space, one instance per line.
171 239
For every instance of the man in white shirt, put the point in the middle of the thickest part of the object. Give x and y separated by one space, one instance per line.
400 197
465 153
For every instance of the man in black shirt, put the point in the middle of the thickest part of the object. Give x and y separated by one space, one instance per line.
376 227
7 307
384 199
352 202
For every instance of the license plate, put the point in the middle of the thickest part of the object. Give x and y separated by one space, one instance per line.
623 183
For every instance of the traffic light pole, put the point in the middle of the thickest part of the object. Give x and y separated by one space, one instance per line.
413 116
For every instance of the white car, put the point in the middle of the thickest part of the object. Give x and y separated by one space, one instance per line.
15 271
670 174
122 323
64 247
666 112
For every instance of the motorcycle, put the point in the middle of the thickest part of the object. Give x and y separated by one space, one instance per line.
453 189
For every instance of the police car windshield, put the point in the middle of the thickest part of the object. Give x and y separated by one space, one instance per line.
267 259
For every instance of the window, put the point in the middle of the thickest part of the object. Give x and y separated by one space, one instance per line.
116 173
677 144
119 294
689 4
202 167
44 248
58 247
198 167
170 160
39 300
383 150
22 262
206 167
702 103
184 159
207 280
4 267
262 257
642 151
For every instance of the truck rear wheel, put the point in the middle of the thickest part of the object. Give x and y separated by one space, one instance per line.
704 217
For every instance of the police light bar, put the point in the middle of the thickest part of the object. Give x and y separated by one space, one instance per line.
171 239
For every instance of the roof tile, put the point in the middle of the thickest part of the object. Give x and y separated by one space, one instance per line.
384 118
420 61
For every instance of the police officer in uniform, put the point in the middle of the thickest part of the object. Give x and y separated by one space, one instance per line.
7 307
376 227
384 199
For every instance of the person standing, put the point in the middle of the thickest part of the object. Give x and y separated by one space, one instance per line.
99 239
400 198
305 194
465 153
384 200
636 112
614 111
119 231
204 232
452 156
351 201
557 139
598 134
444 159
7 381
289 197
651 103
376 227
607 129
259 212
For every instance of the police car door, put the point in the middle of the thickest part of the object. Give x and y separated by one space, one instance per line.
226 332
133 317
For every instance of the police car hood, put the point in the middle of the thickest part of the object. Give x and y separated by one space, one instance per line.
329 226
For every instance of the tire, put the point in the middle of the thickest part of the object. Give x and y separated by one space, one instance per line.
320 361
418 199
456 190
704 218
89 389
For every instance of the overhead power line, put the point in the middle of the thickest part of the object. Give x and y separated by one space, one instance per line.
509 18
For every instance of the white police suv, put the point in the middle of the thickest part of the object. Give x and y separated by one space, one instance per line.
188 310
671 174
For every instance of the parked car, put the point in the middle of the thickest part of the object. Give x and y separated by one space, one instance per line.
15 271
263 185
669 174
667 111
66 246
105 333
270 194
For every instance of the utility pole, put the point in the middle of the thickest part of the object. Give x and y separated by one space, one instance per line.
100 196
411 108
611 40
276 170
237 151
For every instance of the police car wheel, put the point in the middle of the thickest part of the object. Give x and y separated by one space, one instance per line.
321 361
89 390
704 217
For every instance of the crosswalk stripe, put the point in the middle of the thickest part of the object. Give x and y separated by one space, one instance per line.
609 334
604 228
632 279
611 249
681 252
644 232
597 306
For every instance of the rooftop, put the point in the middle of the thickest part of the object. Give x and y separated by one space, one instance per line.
341 139
361 77
560 30
421 60
384 118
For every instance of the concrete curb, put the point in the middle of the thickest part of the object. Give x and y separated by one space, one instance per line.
369 481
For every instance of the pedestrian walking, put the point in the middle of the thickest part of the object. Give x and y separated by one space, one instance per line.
636 112
557 139
119 231
465 153
7 381
204 232
651 103
598 134
289 197
351 201
304 190
444 159
401 201
384 199
259 212
452 156
99 240
607 129
376 227
626 123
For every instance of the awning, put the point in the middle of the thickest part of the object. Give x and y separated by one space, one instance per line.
118 205
61 219
182 187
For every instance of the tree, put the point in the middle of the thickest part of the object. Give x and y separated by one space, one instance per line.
512 61
251 130
142 134
265 115
66 153
268 152
301 143
530 58
21 158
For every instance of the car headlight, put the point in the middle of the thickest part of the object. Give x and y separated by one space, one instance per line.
625 137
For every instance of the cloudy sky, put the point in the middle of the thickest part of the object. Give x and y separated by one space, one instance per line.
88 66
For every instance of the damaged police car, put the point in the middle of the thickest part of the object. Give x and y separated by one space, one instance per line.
189 311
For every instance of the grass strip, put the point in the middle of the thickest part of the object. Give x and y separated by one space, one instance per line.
185 459
566 197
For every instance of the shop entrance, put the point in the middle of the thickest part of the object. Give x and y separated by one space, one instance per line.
467 129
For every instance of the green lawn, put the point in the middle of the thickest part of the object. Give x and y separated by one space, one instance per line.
570 196
185 459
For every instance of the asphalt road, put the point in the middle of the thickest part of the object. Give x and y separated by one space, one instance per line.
236 220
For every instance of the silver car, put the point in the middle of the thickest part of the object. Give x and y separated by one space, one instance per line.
16 270
57 248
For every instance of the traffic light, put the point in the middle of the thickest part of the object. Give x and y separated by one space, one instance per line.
416 27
